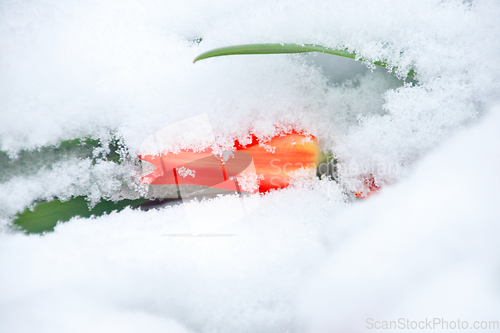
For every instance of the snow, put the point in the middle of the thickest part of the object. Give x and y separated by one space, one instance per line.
425 248
309 258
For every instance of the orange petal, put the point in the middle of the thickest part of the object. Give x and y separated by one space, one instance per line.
255 166
281 157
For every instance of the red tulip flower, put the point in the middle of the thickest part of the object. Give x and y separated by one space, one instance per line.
254 167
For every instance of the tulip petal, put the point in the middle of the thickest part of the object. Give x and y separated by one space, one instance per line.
262 166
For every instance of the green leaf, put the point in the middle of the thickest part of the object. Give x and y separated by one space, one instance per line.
284 48
45 215
271 49
29 161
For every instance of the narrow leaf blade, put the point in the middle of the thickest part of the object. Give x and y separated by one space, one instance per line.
276 48
271 49
45 215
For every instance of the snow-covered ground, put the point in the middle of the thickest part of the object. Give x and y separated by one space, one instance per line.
308 259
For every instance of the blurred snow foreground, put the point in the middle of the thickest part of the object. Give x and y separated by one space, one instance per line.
308 259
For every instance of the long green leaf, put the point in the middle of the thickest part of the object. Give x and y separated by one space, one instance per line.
283 48
271 49
30 161
45 215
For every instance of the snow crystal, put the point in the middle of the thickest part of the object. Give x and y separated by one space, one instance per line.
184 172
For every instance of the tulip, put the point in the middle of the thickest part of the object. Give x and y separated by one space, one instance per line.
254 167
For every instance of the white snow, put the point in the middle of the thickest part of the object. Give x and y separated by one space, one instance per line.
425 248
308 258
